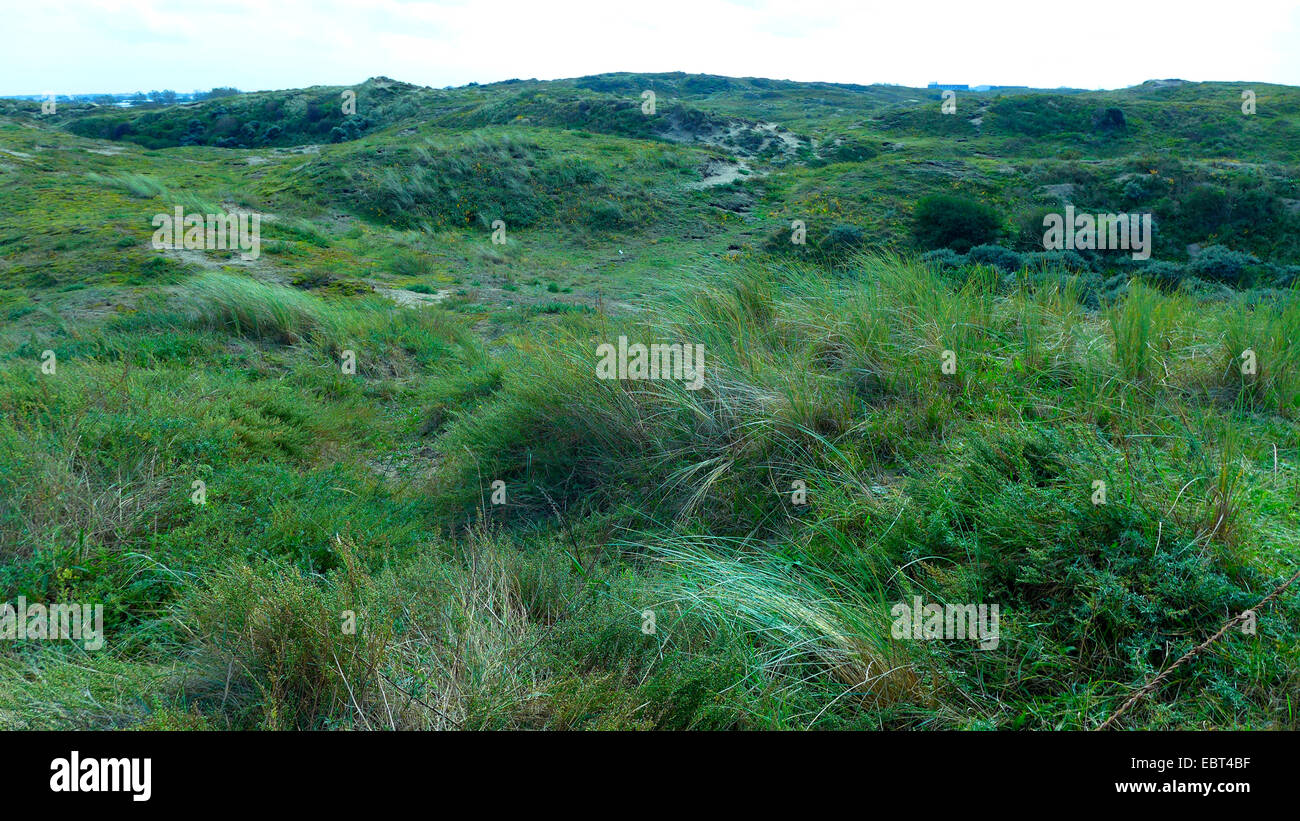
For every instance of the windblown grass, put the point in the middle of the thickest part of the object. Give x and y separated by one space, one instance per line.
247 307
969 486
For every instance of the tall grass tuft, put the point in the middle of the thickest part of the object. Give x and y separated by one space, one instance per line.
804 623
137 185
283 640
1259 361
259 310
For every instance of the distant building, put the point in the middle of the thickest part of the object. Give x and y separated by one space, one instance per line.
955 87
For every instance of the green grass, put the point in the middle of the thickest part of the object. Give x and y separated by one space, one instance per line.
348 567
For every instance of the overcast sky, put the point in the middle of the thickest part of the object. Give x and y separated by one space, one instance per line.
84 46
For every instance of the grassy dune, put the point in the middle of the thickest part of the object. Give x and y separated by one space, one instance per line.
627 497
371 479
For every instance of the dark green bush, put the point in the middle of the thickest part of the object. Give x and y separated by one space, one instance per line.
849 151
956 222
1027 232
944 258
1069 260
1109 121
995 256
1165 273
1219 264
842 239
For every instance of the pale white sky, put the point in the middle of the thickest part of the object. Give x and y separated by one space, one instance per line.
84 46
